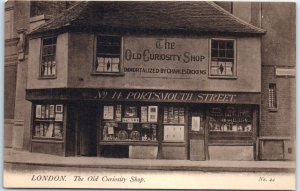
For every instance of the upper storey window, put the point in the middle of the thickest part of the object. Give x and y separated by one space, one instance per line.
222 58
9 16
108 53
48 63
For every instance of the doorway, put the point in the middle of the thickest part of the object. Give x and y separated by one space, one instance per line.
197 135
87 130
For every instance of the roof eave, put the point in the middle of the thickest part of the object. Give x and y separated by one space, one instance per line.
122 30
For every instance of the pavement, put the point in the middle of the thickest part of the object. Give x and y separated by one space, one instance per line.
16 157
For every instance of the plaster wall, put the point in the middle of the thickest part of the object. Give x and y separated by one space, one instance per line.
81 58
34 80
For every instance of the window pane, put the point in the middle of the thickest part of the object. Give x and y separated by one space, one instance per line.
221 68
214 53
222 53
229 64
48 121
49 41
229 45
108 52
214 70
229 54
115 67
48 65
8 24
229 69
214 64
222 44
109 40
107 62
214 44
272 96
222 57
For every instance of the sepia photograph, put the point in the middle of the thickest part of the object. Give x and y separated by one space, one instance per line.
150 95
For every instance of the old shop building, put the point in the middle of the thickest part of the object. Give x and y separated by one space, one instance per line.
140 84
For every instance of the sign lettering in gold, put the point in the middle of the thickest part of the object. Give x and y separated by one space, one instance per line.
168 96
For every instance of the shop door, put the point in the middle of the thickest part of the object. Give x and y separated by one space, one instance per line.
87 131
197 143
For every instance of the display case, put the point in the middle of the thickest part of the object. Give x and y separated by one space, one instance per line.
48 128
126 123
48 121
233 124
174 123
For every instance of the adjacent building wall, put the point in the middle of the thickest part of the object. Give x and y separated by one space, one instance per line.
279 43
278 51
277 126
15 74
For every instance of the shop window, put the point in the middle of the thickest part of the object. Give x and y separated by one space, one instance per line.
272 96
108 53
48 53
222 58
173 120
129 123
48 121
230 119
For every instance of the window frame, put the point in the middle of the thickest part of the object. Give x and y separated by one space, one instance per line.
47 120
121 64
234 75
41 76
9 20
274 106
135 120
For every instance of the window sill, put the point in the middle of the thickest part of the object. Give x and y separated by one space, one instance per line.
47 77
273 109
223 77
47 139
107 74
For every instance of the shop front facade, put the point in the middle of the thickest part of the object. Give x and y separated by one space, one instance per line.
132 93
152 124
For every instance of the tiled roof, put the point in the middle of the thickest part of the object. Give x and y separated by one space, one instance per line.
185 16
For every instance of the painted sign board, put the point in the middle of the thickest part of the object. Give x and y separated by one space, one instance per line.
285 72
166 57
144 96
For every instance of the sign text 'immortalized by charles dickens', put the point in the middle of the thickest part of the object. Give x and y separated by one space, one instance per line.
156 57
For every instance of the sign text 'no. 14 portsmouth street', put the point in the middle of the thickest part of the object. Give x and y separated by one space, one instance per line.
167 96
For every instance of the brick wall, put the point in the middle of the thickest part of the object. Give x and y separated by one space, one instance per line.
278 50
282 121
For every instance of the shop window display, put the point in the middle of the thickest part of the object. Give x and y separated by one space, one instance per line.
48 121
173 120
230 119
129 123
